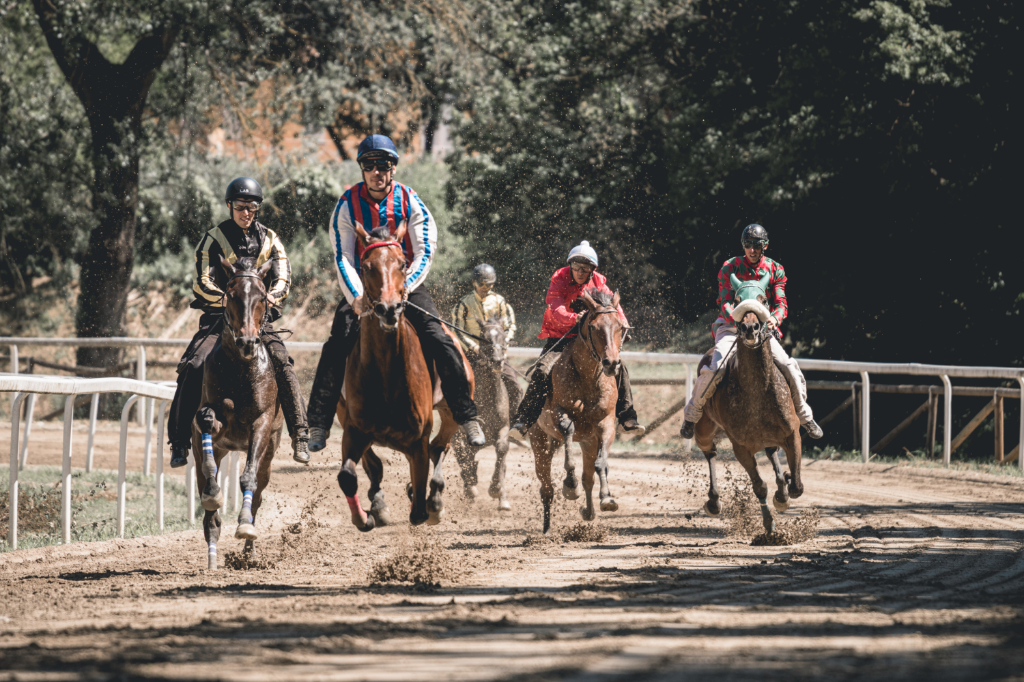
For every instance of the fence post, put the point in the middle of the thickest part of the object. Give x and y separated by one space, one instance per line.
12 494
14 359
140 374
30 411
947 420
65 474
190 490
149 404
122 465
1020 443
688 443
94 407
160 466
865 420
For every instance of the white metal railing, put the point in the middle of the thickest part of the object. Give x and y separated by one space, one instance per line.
25 385
864 369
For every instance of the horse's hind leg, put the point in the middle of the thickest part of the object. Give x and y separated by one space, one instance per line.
437 449
746 458
467 464
211 530
374 469
608 504
353 445
713 507
497 488
253 481
571 484
543 450
794 455
781 499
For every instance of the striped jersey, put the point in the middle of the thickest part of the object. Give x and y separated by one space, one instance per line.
401 205
232 242
472 310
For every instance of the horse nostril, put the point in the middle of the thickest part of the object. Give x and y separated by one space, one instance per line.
380 309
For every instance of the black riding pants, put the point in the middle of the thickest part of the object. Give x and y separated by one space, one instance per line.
437 345
189 393
540 387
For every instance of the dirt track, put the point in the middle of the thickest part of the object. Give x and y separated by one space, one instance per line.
913 574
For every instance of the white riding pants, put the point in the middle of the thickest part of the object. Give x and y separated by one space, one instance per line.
707 382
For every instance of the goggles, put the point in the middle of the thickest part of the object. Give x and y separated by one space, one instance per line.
754 243
383 165
581 267
250 206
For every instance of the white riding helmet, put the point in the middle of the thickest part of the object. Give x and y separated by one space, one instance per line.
584 253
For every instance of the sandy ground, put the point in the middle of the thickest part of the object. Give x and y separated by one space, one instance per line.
912 574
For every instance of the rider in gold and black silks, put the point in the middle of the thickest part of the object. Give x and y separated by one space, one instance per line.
560 325
240 237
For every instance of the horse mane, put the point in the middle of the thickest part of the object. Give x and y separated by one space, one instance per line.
495 319
601 298
245 264
379 234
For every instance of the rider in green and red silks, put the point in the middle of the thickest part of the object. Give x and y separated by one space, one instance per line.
559 327
752 265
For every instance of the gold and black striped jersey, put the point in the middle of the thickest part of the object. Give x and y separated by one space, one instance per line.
234 243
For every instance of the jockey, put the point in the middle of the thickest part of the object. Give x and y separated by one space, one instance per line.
240 237
379 201
752 265
480 306
561 325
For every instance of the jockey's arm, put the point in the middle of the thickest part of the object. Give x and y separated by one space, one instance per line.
343 243
204 283
562 316
510 321
460 317
777 286
423 235
725 294
280 274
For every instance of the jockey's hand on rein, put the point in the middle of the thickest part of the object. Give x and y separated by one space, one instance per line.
577 306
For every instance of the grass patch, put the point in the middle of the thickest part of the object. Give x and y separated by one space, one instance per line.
93 506
916 458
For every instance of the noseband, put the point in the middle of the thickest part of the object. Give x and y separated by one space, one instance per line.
588 340
372 303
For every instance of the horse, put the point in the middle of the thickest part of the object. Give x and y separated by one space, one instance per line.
240 410
493 402
582 405
753 406
390 392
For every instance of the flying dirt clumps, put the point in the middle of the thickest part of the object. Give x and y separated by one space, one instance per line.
742 515
585 532
423 562
247 561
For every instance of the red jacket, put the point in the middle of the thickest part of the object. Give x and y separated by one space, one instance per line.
558 319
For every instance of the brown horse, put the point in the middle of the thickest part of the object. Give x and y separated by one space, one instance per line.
492 399
582 404
240 410
754 407
390 392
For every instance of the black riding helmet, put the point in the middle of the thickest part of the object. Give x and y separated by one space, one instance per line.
754 233
484 273
245 189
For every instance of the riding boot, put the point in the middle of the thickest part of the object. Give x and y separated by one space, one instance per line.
290 394
624 410
189 392
537 392
798 391
330 375
703 389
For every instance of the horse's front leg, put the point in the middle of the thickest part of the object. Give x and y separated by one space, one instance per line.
353 444
605 437
746 458
435 502
211 495
467 464
259 440
571 484
543 450
419 470
794 455
497 488
781 498
262 480
211 531
374 469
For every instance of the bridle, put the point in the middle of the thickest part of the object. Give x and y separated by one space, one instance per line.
266 302
372 304
764 332
588 339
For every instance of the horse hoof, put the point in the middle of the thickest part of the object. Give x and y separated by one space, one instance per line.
609 505
245 531
504 506
434 518
471 492
212 502
381 517
712 508
408 490
588 514
780 505
494 491
570 493
769 527
417 520
368 525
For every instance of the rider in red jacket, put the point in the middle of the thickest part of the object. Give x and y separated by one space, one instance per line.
559 328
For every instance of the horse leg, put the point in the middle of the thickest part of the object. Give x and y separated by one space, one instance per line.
435 502
794 455
713 507
211 530
419 468
603 446
543 450
588 512
781 498
353 445
211 496
571 484
746 458
467 464
262 480
259 439
497 488
374 469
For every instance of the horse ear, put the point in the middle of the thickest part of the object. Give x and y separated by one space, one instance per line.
265 268
226 265
361 234
764 280
615 300
735 281
588 301
400 233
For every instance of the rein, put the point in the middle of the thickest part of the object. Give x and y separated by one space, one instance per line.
266 304
589 339
372 303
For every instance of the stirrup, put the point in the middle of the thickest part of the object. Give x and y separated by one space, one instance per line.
686 430
179 456
631 427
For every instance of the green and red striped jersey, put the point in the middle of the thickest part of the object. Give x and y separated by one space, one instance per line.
776 289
